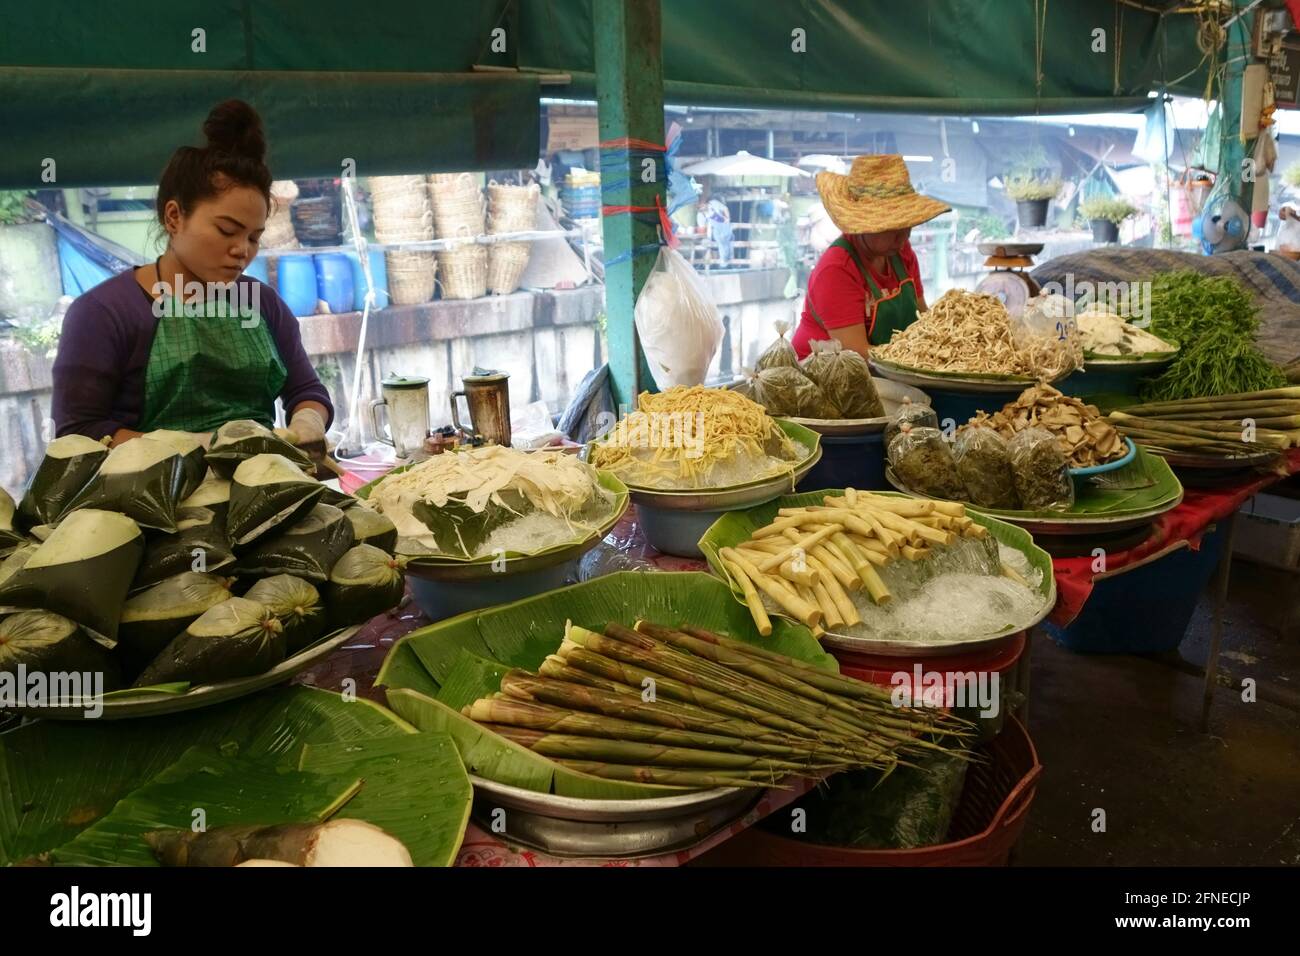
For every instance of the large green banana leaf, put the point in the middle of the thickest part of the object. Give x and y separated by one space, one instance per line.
225 791
415 788
56 778
446 662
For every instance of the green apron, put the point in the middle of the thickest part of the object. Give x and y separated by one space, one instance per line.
208 367
885 313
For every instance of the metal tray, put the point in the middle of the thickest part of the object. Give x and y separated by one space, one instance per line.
891 395
204 695
1214 462
623 829
863 645
1065 524
1120 364
743 496
978 385
1007 249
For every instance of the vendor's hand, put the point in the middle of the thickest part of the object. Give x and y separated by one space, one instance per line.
307 431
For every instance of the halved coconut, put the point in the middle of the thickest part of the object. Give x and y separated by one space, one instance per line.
296 604
370 527
192 455
44 642
365 582
83 571
237 441
268 492
69 463
152 619
308 548
236 638
141 478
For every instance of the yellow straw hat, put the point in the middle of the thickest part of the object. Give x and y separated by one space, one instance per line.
876 196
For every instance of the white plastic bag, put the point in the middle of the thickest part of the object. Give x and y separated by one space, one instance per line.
677 323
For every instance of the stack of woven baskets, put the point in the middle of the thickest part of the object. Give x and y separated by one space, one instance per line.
459 214
400 205
279 224
510 209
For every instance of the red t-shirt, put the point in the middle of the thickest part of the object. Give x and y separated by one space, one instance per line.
837 289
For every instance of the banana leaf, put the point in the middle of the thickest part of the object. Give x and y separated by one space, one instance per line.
415 789
488 755
422 665
603 478
58 778
738 526
471 677
229 791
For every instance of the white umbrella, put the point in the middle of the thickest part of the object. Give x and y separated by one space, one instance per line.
835 164
742 164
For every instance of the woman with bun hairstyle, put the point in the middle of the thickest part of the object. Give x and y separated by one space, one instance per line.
132 358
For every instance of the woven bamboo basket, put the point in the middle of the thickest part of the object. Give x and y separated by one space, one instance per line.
411 277
464 272
458 205
511 209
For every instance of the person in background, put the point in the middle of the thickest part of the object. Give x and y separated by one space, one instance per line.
867 285
718 219
132 359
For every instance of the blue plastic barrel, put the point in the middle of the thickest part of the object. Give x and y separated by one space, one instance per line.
378 273
296 283
259 268
961 407
848 461
334 280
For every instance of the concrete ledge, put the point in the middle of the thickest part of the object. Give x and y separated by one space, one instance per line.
21 371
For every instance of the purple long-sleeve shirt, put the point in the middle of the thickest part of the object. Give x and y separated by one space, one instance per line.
104 349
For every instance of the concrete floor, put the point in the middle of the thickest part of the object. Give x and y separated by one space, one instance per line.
1121 734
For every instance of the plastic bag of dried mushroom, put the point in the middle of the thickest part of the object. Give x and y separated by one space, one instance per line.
1083 435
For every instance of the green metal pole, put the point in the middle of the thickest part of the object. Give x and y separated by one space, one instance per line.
630 104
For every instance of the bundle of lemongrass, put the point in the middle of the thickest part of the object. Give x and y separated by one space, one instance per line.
722 712
808 560
1229 426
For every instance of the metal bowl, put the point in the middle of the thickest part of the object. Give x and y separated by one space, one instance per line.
892 395
624 829
973 383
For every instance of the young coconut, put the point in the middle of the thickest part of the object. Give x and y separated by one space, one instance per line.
371 527
42 642
266 493
141 478
193 466
363 583
153 618
308 548
236 638
338 842
69 463
237 441
296 604
83 571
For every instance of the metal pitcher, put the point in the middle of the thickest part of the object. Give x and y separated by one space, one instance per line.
406 399
487 393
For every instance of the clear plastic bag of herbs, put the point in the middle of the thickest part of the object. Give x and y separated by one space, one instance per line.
786 392
922 460
912 414
984 465
780 354
845 378
1041 471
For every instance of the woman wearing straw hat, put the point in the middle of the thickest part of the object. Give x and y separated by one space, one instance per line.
867 285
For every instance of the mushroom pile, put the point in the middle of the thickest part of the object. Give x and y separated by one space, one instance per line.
1084 436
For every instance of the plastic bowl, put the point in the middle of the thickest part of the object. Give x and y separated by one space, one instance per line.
1109 466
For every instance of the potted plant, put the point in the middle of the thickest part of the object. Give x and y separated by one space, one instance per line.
1032 190
1105 213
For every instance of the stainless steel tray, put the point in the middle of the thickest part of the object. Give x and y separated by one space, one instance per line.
954 382
204 695
1121 364
742 496
898 649
1214 462
623 829
892 395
